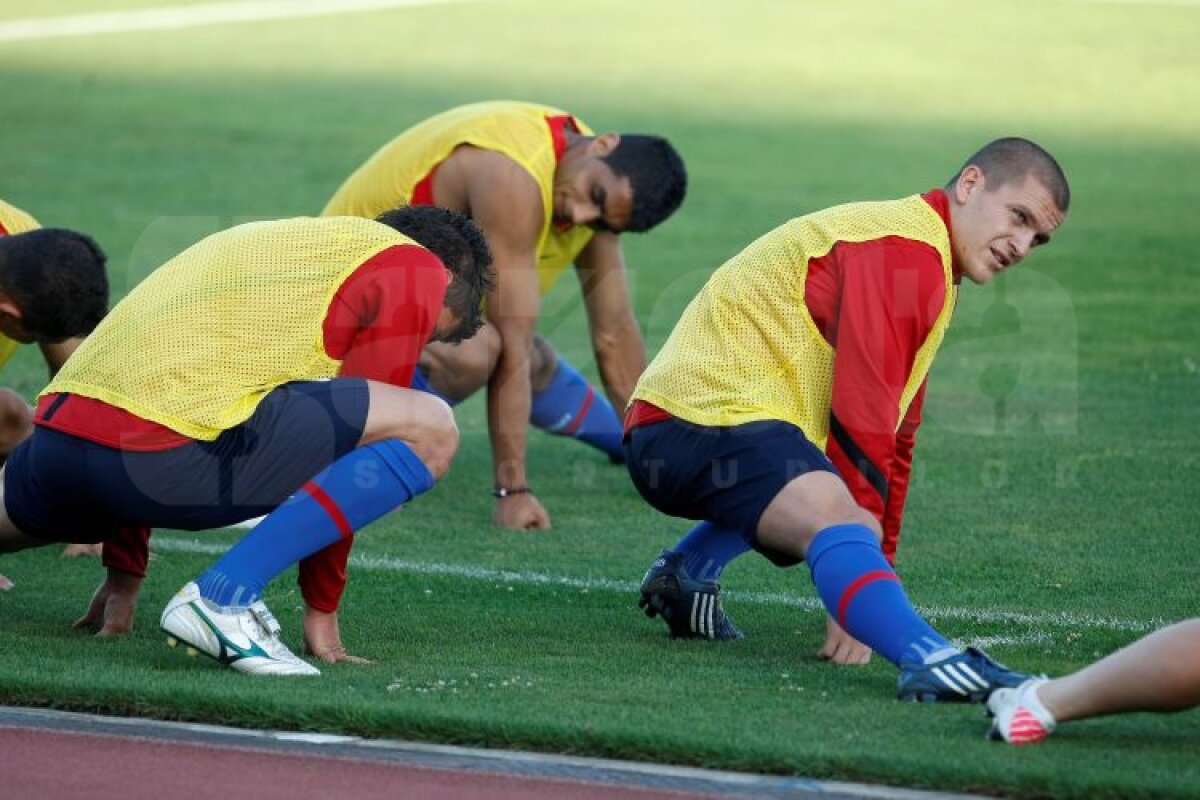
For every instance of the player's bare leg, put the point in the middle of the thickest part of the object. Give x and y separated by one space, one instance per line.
805 507
426 424
1160 672
11 538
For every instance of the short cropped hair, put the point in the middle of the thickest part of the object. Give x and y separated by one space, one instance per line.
1011 159
656 174
56 278
460 245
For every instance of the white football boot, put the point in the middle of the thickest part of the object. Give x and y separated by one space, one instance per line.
1018 715
247 640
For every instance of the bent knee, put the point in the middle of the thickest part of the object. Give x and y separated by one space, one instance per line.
543 364
16 419
436 439
860 516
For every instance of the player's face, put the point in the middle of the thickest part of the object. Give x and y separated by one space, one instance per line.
588 192
995 228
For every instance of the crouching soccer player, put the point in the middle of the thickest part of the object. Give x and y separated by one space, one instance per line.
548 192
264 363
782 409
53 292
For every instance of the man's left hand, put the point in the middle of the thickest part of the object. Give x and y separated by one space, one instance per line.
842 648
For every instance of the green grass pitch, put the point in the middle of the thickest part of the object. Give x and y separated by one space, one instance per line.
1053 514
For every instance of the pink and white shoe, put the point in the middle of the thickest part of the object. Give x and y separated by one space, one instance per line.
1018 715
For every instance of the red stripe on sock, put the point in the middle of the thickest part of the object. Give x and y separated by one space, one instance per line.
857 586
581 413
331 508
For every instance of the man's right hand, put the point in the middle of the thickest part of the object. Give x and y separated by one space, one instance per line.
5 584
520 512
111 611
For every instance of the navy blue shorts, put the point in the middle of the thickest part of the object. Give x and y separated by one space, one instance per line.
727 475
59 487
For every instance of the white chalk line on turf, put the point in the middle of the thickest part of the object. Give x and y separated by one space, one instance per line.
509 577
161 19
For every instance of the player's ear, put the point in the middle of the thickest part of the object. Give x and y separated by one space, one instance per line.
604 144
9 307
970 180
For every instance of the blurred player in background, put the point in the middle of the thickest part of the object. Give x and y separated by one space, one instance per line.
547 192
1159 672
53 292
782 410
255 360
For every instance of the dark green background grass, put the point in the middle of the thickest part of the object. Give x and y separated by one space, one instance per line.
1056 469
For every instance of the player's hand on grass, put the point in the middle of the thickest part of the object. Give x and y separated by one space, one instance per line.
520 512
111 611
5 584
323 640
842 648
77 550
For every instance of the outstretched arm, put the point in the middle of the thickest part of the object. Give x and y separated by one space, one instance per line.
616 336
506 203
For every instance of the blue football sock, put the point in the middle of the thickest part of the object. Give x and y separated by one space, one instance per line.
862 592
708 548
352 492
569 406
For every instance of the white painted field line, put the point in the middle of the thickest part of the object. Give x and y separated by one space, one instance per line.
167 18
509 577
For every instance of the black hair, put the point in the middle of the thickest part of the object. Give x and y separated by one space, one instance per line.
656 174
56 278
1010 159
459 244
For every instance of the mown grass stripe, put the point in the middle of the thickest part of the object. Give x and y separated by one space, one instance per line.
167 18
1061 619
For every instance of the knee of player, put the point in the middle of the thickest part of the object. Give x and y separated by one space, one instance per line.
439 440
15 414
543 362
860 516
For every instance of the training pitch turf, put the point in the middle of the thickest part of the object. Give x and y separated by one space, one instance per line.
1053 513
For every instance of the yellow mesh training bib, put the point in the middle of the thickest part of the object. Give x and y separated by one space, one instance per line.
8 349
200 342
517 130
747 349
13 221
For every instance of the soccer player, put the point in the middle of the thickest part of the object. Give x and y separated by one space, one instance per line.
547 192
53 292
267 363
1159 672
782 410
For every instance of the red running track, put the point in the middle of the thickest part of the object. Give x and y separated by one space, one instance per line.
57 765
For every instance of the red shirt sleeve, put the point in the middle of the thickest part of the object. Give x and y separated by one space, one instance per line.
128 550
378 323
384 314
906 438
888 293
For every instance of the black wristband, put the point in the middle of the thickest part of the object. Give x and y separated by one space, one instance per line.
504 491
